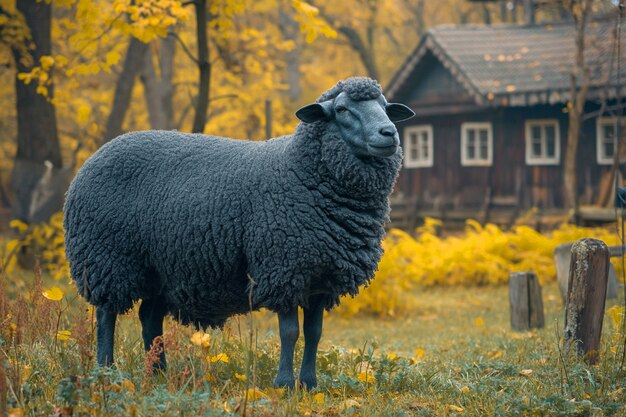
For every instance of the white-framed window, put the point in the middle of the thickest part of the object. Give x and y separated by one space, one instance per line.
543 142
476 144
418 146
606 139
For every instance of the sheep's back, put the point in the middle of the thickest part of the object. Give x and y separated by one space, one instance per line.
161 212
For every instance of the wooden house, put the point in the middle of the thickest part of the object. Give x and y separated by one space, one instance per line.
489 137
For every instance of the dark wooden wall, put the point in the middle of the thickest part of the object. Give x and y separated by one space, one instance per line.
448 185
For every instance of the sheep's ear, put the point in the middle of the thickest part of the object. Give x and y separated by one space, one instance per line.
398 112
314 112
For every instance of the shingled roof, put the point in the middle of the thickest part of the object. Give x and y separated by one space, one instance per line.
519 65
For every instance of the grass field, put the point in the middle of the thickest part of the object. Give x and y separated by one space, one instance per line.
453 355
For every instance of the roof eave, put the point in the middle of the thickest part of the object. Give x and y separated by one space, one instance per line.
429 43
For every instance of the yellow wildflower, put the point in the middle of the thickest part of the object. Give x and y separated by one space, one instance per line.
201 339
366 377
220 357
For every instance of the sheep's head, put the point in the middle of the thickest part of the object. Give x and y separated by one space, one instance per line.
362 115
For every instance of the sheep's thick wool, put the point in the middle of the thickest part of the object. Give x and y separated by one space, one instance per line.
204 222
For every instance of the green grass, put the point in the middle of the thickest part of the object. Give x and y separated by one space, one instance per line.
454 355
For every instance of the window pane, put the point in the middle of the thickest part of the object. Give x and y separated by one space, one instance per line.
536 148
470 145
609 149
535 133
484 151
413 139
608 131
484 144
471 137
471 152
413 154
550 147
484 136
550 132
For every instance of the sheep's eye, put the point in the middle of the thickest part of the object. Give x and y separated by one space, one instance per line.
341 109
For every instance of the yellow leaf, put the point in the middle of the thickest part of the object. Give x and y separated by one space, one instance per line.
526 371
241 377
318 398
16 412
419 352
54 294
465 389
19 225
46 62
255 394
113 58
82 114
128 385
43 90
496 353
479 322
27 77
64 334
456 408
392 356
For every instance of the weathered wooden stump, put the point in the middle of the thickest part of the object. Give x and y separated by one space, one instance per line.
562 259
584 309
526 301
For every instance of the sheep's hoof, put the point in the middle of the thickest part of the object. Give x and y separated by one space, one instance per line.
284 382
308 381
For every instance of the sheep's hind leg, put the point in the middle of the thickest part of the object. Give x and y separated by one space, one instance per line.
105 323
313 319
289 330
151 314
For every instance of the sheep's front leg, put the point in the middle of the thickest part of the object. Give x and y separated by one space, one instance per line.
151 314
289 330
105 324
313 318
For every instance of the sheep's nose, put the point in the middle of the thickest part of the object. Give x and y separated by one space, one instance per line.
388 131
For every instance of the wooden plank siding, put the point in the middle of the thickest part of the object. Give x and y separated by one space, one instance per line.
448 185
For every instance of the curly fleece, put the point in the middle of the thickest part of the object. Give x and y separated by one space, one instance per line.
199 221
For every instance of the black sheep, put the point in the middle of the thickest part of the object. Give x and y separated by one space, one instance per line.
199 226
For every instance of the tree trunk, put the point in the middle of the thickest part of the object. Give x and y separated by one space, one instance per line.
152 93
290 30
356 42
124 88
486 15
578 96
37 137
204 67
529 11
166 64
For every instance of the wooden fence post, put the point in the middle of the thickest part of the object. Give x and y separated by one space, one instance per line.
562 259
584 309
526 302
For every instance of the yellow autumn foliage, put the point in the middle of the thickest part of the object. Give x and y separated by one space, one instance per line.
44 240
478 256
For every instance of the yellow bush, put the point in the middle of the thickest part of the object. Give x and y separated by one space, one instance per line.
479 256
44 240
